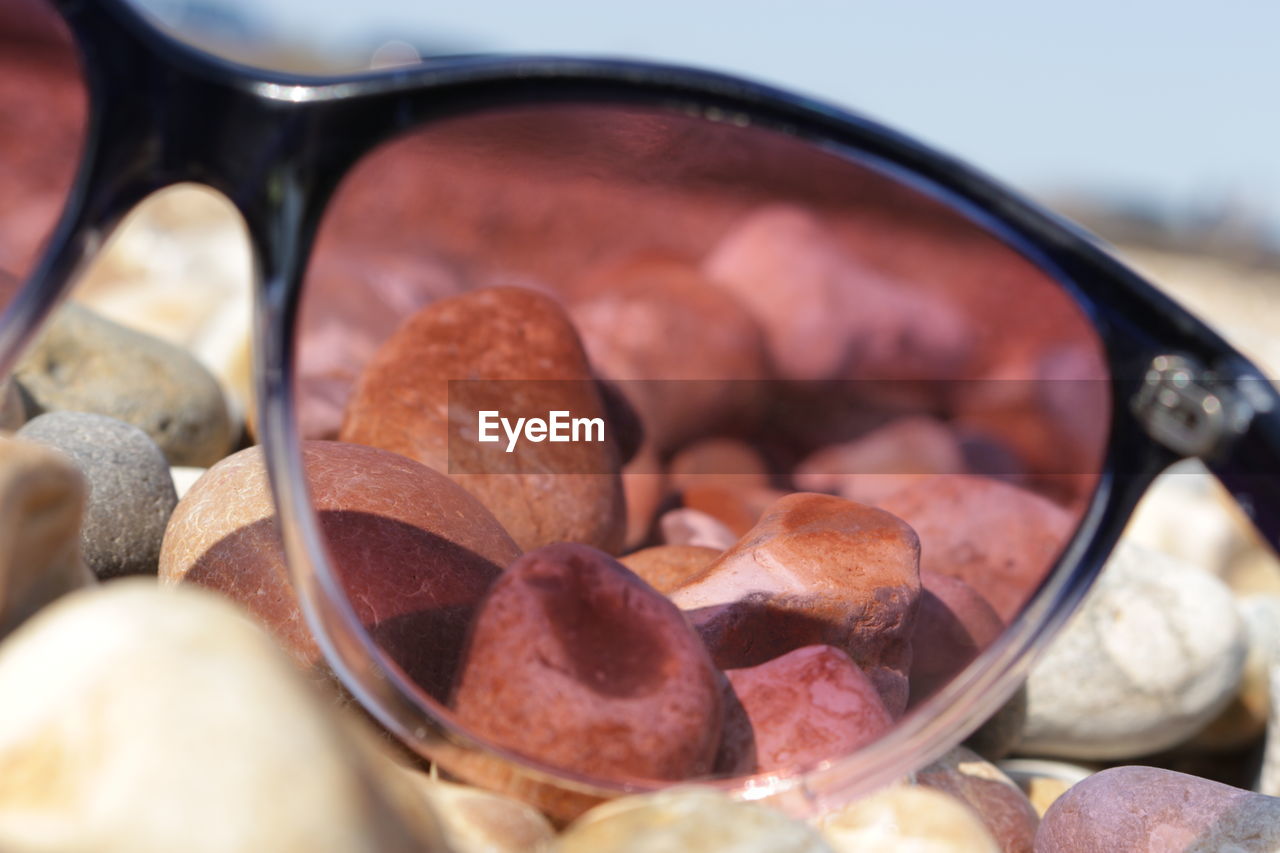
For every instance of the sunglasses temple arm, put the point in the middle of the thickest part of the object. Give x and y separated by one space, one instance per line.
1250 470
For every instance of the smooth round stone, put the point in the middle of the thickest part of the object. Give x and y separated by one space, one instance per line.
808 706
180 268
1148 809
825 314
691 820
998 538
83 362
867 468
414 551
907 819
1155 652
1005 811
1043 781
689 357
42 497
575 661
138 718
131 494
524 345
666 567
724 462
691 527
479 821
816 569
953 625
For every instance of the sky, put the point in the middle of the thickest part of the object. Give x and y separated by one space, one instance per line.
1174 104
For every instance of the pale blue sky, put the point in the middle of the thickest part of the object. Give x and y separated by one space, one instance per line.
1175 102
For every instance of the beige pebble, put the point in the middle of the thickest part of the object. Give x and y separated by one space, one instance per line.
689 820
479 821
907 819
141 719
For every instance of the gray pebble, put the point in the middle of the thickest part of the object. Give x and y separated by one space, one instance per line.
131 494
86 363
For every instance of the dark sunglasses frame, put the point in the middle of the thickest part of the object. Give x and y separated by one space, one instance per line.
277 146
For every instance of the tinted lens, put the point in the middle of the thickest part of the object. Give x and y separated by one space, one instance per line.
747 316
42 122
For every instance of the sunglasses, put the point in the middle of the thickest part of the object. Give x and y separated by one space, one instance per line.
725 262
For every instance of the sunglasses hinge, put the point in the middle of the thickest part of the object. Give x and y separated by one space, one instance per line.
1188 408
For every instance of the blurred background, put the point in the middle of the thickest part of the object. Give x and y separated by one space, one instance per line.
1156 117
1152 122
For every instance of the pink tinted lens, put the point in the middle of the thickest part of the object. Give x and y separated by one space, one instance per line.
751 316
43 110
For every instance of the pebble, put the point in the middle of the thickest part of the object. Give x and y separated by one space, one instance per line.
131 493
413 549
816 569
691 820
998 538
1005 811
825 314
180 268
575 661
524 344
907 819
479 821
1148 809
42 498
666 567
688 356
83 362
805 707
684 527
143 719
727 463
1154 653
953 626
887 458
1042 780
